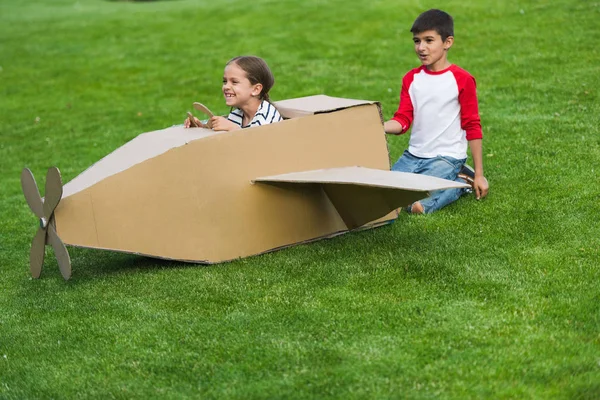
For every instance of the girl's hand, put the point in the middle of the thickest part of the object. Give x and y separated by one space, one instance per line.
221 124
196 123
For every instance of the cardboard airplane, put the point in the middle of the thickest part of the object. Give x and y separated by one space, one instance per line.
201 196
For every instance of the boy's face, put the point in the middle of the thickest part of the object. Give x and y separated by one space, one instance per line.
237 89
432 51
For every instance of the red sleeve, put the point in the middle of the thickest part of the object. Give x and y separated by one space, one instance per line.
469 109
405 115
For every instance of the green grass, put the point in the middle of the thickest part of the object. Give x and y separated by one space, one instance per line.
486 299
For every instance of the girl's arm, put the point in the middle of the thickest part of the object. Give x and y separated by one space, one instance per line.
222 124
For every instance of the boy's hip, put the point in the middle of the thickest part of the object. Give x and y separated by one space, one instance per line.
441 166
458 152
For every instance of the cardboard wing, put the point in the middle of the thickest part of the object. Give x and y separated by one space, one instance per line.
361 195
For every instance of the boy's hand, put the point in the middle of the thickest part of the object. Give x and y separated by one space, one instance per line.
481 186
393 127
221 124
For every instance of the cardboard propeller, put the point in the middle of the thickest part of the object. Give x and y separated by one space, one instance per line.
44 210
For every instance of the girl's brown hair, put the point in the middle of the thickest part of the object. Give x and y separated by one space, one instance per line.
257 71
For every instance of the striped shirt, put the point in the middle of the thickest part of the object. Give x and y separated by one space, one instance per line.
266 114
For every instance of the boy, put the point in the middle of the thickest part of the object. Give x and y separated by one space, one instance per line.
440 100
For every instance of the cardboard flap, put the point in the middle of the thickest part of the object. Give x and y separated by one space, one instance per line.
361 195
143 147
310 105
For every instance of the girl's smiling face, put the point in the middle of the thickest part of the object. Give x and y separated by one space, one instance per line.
237 89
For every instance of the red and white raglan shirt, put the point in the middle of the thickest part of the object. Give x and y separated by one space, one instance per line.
442 108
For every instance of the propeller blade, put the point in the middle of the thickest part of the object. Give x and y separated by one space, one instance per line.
37 252
31 192
54 190
60 251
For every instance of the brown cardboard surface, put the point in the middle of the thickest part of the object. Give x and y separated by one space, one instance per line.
202 108
143 147
362 194
366 177
159 197
310 105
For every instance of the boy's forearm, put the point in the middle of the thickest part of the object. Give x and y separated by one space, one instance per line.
392 126
477 155
480 184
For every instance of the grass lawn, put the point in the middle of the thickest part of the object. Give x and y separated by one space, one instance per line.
497 298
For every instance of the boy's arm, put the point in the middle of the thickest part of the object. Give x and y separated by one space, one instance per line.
393 127
480 184
403 117
471 123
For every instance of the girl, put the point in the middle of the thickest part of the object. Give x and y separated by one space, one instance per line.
246 84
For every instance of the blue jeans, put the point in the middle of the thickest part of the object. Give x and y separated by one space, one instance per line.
441 166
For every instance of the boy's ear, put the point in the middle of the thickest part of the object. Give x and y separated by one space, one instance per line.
448 42
257 89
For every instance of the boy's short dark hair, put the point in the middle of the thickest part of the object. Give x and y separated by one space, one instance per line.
436 20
